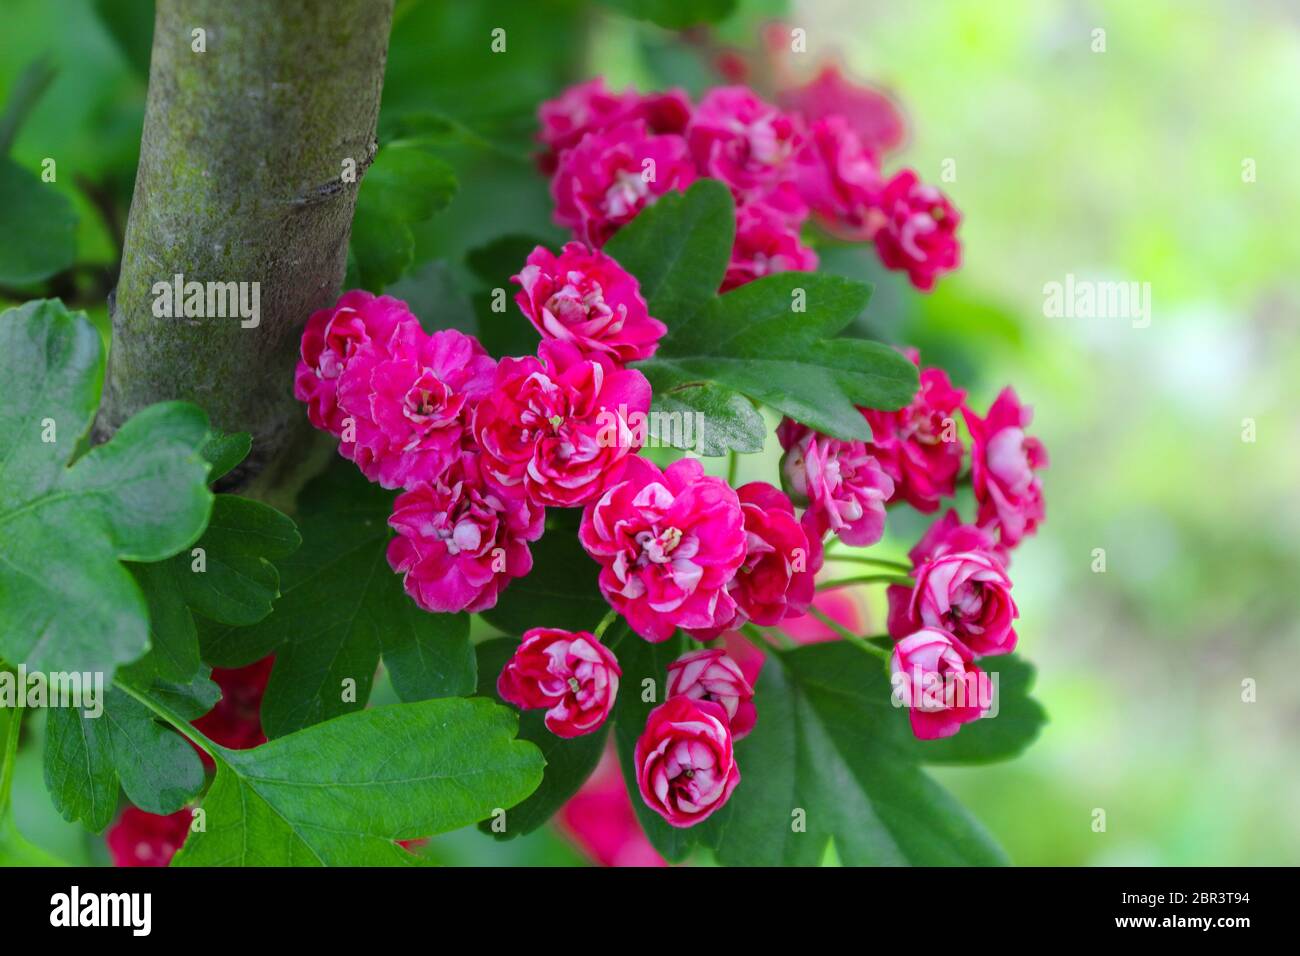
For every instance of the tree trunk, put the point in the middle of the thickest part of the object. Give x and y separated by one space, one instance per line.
243 178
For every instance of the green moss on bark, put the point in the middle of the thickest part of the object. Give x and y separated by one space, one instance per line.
240 181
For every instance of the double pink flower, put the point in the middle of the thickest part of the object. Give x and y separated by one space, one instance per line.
611 175
411 407
918 446
918 230
583 296
712 675
572 676
1003 464
685 765
359 324
558 426
668 543
841 484
460 539
933 676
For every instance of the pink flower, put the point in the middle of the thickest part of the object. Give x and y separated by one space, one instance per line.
358 323
585 297
750 145
870 115
685 767
590 107
840 179
934 678
776 579
572 675
948 534
840 483
559 425
147 839
600 818
611 175
236 720
967 594
410 409
917 445
766 242
1003 462
460 541
711 675
918 230
668 542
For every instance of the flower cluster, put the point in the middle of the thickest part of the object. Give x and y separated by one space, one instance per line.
957 605
481 448
611 154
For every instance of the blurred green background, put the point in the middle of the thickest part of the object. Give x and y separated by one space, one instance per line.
1122 165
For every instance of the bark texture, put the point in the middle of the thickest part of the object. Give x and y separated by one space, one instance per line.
241 179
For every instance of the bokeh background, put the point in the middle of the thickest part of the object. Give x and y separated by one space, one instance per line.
1119 165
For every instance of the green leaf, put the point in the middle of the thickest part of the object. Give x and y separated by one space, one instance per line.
503 330
1016 725
569 762
772 340
391 773
190 699
832 752
676 14
434 296
226 578
752 340
561 590
86 757
173 638
704 417
429 655
678 249
502 258
15 850
38 227
224 452
341 607
66 601
404 185
239 581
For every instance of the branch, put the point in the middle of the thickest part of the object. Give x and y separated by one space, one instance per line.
241 180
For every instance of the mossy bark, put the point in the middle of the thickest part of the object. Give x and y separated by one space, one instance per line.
243 178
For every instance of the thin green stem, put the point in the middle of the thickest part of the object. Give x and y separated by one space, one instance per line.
759 637
867 579
7 754
873 562
180 724
733 467
755 637
848 635
605 622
